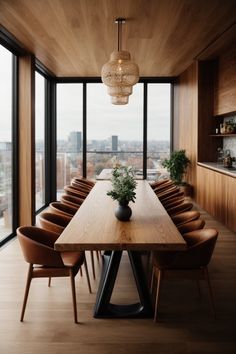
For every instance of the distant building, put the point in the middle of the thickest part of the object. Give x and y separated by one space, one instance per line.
75 141
114 142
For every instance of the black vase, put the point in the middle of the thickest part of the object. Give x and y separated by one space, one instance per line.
123 212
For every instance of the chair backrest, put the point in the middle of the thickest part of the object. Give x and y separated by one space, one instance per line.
185 217
53 222
171 191
179 208
62 209
37 246
71 200
74 191
81 187
173 202
191 226
200 246
84 180
167 199
164 187
158 183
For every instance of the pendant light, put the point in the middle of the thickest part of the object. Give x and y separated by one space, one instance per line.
120 73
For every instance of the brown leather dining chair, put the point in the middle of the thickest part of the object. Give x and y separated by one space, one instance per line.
71 200
62 209
70 190
178 209
81 186
85 181
158 183
194 260
185 217
191 226
57 223
69 211
38 249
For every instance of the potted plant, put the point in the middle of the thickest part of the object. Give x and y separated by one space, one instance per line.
123 191
177 165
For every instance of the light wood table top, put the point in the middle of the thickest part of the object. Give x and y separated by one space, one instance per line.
95 227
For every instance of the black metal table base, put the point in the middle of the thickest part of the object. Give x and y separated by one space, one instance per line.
103 307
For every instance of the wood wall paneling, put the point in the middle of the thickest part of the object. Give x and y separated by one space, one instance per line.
185 117
207 146
225 87
26 140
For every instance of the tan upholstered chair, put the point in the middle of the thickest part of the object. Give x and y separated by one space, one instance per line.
71 200
38 249
200 246
70 190
179 208
185 217
62 209
57 223
191 226
85 181
158 183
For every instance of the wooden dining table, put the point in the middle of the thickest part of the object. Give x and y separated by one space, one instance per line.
95 227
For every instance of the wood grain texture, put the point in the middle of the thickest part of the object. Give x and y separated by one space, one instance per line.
95 227
185 323
76 37
207 146
26 140
225 86
216 194
185 117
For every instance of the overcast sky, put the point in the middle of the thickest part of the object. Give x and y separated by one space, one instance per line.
104 118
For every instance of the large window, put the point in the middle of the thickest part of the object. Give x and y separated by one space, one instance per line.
6 163
158 123
69 133
114 133
39 141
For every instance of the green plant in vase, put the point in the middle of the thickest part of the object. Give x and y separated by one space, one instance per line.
177 165
123 190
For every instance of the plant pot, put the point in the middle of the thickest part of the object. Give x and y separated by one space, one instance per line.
123 212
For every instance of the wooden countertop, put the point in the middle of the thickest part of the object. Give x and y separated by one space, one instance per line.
95 227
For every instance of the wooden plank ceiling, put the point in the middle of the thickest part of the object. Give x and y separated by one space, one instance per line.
76 37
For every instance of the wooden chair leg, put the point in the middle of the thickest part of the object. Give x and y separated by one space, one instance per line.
211 297
97 253
152 279
157 293
49 281
92 262
28 282
87 274
72 278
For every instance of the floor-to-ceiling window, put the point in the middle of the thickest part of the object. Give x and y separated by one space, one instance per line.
69 133
39 141
158 128
114 133
6 162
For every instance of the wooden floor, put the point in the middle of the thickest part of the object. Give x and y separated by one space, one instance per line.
185 322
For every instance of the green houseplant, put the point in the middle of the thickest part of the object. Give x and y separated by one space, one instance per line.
123 191
177 165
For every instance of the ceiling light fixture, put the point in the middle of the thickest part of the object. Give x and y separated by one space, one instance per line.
120 73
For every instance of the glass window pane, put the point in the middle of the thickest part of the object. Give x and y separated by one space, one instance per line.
69 133
158 139
39 141
5 142
114 133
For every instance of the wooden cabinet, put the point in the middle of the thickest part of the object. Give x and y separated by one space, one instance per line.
216 194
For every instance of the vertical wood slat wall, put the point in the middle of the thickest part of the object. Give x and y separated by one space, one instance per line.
26 140
214 191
